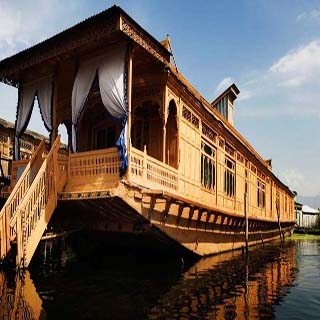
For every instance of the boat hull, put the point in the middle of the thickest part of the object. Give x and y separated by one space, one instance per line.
178 224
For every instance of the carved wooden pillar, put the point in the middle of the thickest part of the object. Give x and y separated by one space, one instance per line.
129 98
164 138
54 132
164 124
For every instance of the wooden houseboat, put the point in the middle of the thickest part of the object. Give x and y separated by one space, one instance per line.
149 156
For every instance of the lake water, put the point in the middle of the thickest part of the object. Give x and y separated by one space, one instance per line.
275 282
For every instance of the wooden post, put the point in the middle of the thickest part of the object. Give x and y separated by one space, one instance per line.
7 231
246 223
3 244
164 137
129 98
19 238
144 165
165 113
246 291
279 223
54 132
55 166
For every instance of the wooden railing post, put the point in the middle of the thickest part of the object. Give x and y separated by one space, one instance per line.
19 239
4 234
145 165
7 230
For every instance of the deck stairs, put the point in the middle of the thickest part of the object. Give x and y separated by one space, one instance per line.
27 211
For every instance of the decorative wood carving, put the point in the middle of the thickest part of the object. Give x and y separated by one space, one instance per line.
131 31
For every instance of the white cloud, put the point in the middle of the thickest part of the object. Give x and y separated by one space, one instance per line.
298 67
10 24
313 15
294 179
10 29
43 18
224 84
303 184
289 87
244 94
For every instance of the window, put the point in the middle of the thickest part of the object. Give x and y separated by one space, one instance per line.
285 204
229 177
105 137
261 194
208 168
278 201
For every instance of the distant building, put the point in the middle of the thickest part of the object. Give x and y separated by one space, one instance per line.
28 143
306 216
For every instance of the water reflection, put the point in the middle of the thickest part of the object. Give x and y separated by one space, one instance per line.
19 298
230 286
65 284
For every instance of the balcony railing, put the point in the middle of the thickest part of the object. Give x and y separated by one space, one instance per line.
152 173
98 170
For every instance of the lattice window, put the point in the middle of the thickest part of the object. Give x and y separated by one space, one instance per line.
195 121
229 178
240 157
229 150
3 138
25 145
208 167
261 194
25 155
188 115
209 133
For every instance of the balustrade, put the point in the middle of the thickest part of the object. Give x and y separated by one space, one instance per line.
150 172
93 164
33 213
17 195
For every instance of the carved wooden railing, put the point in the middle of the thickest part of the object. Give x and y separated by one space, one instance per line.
93 170
33 214
17 195
102 166
94 163
150 172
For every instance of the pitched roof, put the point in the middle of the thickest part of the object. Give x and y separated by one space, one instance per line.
307 209
67 42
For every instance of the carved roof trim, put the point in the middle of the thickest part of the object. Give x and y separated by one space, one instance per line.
144 39
67 42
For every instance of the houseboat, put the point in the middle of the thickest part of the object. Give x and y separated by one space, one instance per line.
148 157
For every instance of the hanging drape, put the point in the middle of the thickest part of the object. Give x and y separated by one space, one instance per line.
43 88
110 68
80 91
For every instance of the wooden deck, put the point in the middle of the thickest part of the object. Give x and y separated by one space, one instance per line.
85 190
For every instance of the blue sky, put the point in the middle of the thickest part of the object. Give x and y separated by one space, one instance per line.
270 49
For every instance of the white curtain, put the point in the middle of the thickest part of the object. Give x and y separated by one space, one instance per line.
80 91
111 69
45 99
111 82
43 88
